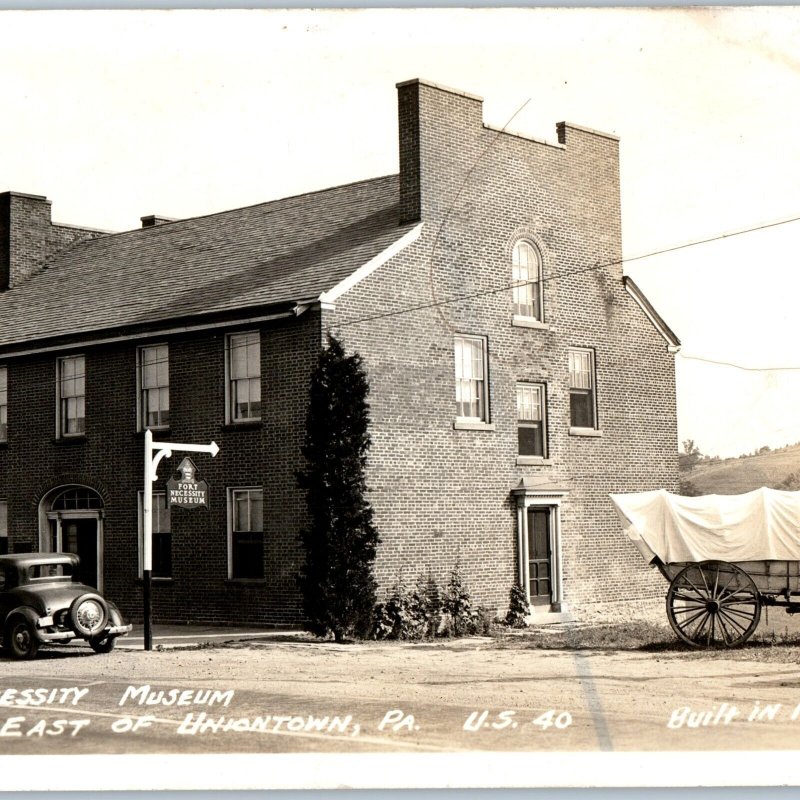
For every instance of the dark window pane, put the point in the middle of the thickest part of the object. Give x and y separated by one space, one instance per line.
581 410
3 545
248 555
162 555
531 441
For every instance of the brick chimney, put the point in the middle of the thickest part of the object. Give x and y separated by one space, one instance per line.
438 128
152 220
24 224
28 237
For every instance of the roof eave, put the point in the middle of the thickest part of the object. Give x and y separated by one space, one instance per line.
327 299
154 329
673 342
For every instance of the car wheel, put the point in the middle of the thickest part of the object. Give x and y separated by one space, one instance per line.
88 615
20 639
103 645
106 645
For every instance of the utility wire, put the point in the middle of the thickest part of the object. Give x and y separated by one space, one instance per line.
720 363
556 276
567 274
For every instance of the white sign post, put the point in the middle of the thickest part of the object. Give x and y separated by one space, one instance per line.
153 453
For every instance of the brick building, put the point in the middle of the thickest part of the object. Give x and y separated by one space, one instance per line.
517 377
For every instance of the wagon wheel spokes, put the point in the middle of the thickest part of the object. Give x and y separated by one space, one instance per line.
725 587
713 603
732 621
724 629
689 608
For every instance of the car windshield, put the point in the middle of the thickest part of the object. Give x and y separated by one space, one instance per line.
39 571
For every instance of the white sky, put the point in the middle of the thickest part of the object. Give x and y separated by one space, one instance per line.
114 115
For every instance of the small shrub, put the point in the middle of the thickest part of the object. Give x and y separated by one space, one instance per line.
401 616
425 611
518 607
483 621
457 606
429 601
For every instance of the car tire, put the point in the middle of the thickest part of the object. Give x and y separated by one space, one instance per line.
75 622
102 646
19 639
107 645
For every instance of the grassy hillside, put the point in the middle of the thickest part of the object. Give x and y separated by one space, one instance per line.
743 474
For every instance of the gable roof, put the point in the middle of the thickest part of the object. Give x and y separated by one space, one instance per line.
270 254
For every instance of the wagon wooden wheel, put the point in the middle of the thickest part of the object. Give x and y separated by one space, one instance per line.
713 604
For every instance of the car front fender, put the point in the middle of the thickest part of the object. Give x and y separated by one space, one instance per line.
32 616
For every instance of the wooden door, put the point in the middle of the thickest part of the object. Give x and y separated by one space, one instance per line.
540 583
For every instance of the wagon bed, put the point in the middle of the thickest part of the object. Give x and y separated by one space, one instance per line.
713 601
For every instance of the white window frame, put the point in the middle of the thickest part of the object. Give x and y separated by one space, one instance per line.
3 403
483 420
159 496
541 390
230 409
525 286
231 513
141 406
594 429
60 432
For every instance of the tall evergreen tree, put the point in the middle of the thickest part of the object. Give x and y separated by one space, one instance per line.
337 579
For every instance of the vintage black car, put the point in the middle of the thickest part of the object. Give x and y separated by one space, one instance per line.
42 602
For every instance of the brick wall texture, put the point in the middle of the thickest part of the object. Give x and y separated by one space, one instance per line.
28 238
440 494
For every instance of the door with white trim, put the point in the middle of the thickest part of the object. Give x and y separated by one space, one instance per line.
540 568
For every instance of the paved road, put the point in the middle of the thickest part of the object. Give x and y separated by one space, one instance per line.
287 694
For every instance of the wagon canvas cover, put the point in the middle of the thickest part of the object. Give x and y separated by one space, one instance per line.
759 525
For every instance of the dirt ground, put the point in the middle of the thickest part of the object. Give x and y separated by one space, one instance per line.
507 693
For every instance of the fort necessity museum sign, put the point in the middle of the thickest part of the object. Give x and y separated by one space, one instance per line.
187 491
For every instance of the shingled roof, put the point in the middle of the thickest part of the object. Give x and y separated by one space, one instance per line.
264 255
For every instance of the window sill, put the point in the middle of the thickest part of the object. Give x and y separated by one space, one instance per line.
529 322
155 432
248 425
533 461
591 433
469 425
69 440
246 581
157 581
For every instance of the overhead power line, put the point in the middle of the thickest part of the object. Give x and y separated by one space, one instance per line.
566 274
742 367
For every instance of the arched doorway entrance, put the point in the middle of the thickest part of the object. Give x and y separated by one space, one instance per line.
71 521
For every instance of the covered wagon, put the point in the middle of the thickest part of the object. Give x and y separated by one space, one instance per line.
725 557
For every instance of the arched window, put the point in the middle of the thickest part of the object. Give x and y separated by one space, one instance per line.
526 279
77 498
